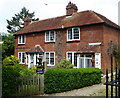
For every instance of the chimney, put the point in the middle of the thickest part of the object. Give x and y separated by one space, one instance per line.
27 21
71 8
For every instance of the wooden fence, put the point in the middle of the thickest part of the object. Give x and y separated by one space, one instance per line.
31 85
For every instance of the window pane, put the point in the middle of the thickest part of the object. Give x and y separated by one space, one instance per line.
23 57
51 36
76 33
51 55
75 59
47 58
19 39
20 57
69 34
47 36
70 57
23 39
52 61
81 62
52 58
88 62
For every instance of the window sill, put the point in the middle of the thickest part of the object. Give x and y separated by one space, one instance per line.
50 65
21 43
50 42
21 63
73 41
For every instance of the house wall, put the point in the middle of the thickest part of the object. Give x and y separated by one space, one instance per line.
31 41
88 34
110 34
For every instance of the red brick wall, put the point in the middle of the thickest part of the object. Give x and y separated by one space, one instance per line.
109 34
88 34
31 41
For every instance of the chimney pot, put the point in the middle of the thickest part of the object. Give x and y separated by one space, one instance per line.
71 8
27 21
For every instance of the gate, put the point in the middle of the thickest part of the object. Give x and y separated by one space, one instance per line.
114 84
30 85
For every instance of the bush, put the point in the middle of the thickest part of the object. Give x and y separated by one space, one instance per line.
60 80
11 60
64 64
9 80
12 70
28 72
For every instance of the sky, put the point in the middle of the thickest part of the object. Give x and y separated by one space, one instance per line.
52 8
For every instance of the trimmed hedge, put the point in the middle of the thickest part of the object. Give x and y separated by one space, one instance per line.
60 80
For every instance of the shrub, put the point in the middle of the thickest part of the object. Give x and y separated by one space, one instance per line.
64 64
28 72
9 80
60 80
11 60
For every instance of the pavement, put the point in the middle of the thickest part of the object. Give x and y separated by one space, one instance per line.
95 90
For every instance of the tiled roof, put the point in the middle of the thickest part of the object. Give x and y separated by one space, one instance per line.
77 19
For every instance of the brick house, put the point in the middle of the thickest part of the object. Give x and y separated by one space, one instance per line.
81 37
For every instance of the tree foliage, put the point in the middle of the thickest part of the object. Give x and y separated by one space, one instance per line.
14 25
11 61
7 46
17 22
117 55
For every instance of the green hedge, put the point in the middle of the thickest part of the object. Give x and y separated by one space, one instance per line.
9 80
60 80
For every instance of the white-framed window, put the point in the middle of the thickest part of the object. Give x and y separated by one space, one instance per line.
73 34
21 39
72 57
80 60
50 36
21 57
50 58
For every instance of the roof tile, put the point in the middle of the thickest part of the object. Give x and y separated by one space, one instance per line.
77 19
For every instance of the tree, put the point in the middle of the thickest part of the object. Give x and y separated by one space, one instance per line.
17 22
14 25
117 56
7 46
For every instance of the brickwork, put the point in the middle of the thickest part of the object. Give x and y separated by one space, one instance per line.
88 34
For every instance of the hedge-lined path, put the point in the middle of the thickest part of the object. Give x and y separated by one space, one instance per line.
95 90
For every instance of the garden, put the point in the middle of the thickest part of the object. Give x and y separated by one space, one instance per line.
62 78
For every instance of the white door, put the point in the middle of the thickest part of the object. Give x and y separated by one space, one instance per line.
98 60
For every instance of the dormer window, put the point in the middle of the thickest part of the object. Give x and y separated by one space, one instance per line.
73 34
50 36
21 39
